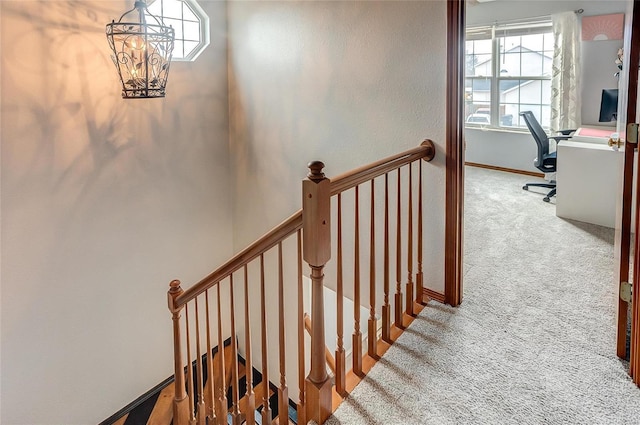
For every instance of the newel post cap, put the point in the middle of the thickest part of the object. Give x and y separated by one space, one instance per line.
315 170
174 292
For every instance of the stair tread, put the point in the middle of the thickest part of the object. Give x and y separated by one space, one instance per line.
162 413
163 410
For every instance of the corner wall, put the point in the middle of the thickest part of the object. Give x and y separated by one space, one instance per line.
347 83
103 202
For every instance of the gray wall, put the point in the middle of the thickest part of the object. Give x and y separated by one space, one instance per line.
103 202
343 82
505 148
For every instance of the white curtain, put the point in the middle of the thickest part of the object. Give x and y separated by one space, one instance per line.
565 79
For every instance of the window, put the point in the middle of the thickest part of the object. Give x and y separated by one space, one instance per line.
190 23
508 70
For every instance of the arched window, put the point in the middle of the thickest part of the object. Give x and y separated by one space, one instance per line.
190 23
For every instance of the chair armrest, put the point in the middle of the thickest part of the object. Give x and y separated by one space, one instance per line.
559 138
566 132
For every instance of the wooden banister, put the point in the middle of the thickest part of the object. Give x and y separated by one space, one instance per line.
201 399
351 179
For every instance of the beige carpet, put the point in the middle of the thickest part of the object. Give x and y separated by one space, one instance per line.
533 341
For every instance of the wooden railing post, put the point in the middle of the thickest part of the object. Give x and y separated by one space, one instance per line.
180 400
316 224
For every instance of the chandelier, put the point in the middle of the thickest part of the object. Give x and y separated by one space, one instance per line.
141 50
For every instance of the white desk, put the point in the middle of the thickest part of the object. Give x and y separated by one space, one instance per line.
589 177
597 135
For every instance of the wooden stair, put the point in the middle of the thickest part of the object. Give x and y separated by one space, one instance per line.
162 410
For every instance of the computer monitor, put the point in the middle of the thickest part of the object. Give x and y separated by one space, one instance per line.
609 105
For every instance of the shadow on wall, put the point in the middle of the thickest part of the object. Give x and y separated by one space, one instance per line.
321 81
57 93
104 200
62 97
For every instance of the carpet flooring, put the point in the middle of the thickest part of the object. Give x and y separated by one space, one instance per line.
534 339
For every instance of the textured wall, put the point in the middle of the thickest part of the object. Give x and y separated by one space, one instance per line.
104 201
343 82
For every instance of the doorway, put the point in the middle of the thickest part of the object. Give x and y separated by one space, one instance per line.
474 4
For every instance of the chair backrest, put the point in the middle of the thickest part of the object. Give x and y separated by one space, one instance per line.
538 133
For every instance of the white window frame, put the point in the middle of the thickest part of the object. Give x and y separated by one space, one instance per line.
494 33
203 19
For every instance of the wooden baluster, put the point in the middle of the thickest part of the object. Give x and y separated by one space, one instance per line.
386 308
235 396
283 391
250 394
192 418
301 358
372 331
409 286
221 414
180 400
327 353
398 297
201 411
266 410
419 276
316 219
340 374
356 352
210 385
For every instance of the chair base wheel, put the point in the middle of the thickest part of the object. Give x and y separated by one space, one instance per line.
525 187
546 199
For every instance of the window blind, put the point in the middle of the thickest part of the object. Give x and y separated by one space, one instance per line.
537 26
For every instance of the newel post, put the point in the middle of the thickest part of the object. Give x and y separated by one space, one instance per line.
316 213
180 400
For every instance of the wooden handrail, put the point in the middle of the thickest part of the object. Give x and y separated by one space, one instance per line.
266 242
288 227
312 224
361 175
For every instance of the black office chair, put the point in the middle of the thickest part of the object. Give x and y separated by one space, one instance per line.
546 161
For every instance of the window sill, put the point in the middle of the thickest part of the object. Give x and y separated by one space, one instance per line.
497 129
